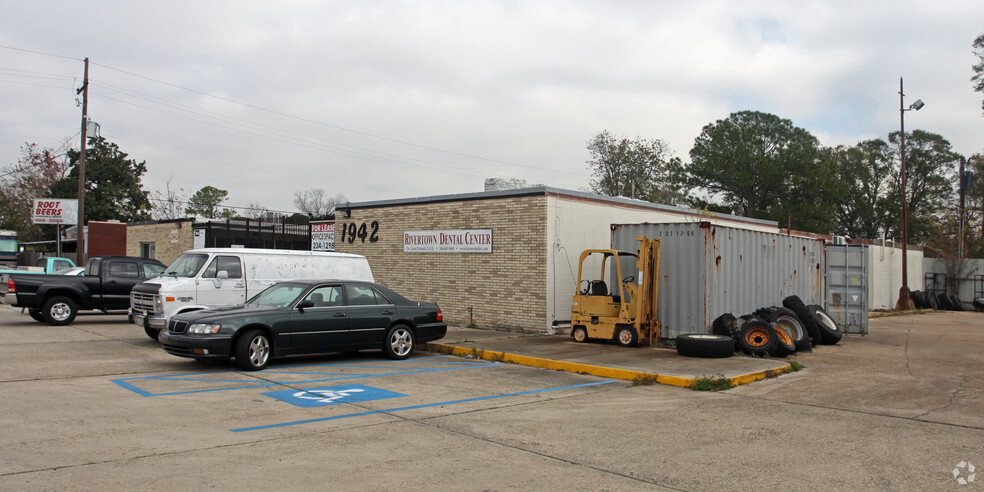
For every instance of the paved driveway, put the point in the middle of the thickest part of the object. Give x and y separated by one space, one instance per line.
97 405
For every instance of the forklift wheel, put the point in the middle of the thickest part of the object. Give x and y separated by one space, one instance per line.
579 334
626 336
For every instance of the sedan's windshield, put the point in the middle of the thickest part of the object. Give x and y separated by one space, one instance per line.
186 266
279 295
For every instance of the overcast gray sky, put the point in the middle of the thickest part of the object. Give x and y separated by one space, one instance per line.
386 99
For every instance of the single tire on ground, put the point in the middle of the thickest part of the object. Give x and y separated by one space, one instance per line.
979 304
830 333
957 305
703 345
722 324
795 304
918 300
59 311
931 301
757 337
626 336
944 301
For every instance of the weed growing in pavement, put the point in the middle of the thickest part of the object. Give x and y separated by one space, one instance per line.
645 380
796 366
716 383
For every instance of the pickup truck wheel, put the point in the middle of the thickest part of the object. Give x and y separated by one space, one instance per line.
153 333
59 311
253 350
36 315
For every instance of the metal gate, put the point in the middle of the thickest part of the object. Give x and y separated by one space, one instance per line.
847 295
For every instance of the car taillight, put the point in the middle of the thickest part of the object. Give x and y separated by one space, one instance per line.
11 288
440 316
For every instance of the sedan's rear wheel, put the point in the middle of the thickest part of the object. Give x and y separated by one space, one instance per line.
253 350
399 342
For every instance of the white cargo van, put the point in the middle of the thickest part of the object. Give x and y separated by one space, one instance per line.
216 277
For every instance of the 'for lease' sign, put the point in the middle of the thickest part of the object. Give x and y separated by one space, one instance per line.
448 241
55 211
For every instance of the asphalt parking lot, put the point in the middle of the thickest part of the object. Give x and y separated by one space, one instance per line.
98 405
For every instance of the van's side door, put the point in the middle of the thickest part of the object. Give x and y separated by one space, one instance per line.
221 283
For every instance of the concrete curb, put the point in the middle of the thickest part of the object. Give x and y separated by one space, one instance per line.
638 377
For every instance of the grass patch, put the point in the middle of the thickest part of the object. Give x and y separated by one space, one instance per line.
715 383
796 366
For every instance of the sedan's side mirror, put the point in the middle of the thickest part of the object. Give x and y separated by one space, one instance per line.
306 303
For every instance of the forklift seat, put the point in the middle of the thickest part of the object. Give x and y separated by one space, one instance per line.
598 288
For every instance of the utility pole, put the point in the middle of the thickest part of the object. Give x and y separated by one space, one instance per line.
962 184
80 253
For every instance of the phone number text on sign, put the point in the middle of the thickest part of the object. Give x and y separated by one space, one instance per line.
448 241
323 237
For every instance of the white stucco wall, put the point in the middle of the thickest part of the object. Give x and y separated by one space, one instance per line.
885 274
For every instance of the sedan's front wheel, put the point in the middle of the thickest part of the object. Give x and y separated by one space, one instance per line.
399 342
253 350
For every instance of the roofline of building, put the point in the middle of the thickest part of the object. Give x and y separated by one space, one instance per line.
344 208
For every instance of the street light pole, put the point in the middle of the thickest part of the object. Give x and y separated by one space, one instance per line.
905 296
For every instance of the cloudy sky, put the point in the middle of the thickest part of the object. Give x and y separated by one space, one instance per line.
385 99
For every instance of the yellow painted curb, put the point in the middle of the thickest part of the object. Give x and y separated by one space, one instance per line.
605 372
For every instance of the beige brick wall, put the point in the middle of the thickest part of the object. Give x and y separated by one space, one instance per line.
505 289
170 239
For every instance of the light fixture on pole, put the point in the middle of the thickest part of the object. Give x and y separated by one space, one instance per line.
905 297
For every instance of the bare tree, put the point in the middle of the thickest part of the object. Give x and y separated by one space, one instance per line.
254 211
168 205
315 202
32 177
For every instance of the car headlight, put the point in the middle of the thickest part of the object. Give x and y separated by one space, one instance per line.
204 328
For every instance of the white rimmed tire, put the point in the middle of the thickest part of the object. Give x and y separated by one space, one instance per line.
830 333
704 345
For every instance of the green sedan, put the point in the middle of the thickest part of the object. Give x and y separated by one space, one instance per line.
303 318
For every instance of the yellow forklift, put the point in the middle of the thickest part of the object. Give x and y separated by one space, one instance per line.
626 311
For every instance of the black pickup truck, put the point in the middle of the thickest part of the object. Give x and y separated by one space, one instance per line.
56 299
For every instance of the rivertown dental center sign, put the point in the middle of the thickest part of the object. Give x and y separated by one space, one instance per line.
55 211
449 241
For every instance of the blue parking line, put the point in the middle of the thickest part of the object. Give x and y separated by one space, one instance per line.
125 382
414 407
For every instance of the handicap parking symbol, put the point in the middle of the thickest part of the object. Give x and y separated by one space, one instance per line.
332 395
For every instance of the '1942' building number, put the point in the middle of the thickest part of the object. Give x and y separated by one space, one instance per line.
363 231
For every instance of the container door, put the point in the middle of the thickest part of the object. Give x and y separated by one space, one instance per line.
847 298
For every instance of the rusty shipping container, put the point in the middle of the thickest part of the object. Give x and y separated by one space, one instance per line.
707 270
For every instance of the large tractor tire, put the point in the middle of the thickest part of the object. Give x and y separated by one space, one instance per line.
703 345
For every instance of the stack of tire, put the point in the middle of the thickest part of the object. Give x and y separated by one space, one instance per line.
939 301
773 331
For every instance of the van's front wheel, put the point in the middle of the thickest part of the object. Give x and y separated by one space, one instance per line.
153 333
